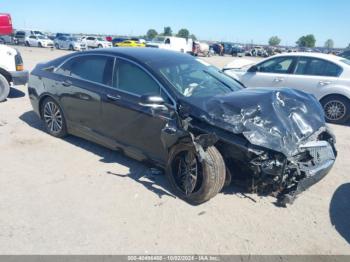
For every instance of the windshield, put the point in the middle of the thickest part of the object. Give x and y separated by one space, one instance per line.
196 78
99 39
41 37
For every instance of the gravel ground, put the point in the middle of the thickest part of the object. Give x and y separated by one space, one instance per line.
74 197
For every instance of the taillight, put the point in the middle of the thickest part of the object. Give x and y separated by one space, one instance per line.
19 68
19 62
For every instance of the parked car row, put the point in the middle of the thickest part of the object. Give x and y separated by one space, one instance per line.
60 40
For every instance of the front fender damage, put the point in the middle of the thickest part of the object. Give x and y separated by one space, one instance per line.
176 131
265 171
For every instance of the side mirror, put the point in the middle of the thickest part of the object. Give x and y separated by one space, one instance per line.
152 101
155 103
253 69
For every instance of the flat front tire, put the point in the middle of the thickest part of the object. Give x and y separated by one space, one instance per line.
4 88
54 120
194 181
336 109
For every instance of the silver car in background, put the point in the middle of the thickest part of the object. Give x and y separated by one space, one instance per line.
70 43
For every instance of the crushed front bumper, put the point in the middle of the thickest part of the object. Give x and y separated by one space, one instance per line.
315 175
323 158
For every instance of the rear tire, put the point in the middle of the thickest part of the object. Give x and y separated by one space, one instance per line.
336 109
71 48
99 46
57 46
210 174
54 120
4 88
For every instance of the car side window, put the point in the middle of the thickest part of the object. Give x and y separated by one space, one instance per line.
32 37
279 65
93 68
316 67
133 79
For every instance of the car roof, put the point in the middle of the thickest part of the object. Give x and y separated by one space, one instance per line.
328 57
142 54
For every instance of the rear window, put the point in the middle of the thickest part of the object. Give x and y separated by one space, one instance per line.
93 68
317 67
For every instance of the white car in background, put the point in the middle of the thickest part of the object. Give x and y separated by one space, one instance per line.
38 41
172 43
327 77
96 42
11 70
70 43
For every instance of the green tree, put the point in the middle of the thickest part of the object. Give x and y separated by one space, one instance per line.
168 31
152 33
184 33
306 41
274 41
329 44
193 37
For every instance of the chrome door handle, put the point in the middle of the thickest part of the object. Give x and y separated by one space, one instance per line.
278 80
324 83
113 98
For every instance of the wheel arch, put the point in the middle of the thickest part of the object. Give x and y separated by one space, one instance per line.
6 74
334 94
42 99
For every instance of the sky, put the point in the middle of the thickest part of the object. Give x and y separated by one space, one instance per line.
253 21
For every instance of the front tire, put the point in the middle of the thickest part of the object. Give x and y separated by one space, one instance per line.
54 120
99 46
27 43
336 109
40 45
57 46
4 88
194 181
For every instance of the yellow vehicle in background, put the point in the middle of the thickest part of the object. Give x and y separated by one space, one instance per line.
130 43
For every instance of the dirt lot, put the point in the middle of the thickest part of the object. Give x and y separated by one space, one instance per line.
74 197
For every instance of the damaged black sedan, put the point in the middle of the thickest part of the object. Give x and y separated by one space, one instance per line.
184 115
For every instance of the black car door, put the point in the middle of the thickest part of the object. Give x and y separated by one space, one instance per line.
79 84
126 120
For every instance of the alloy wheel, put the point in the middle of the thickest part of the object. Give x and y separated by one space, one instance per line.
53 117
334 110
187 172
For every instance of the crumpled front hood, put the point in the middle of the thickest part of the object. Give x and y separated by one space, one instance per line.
277 119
